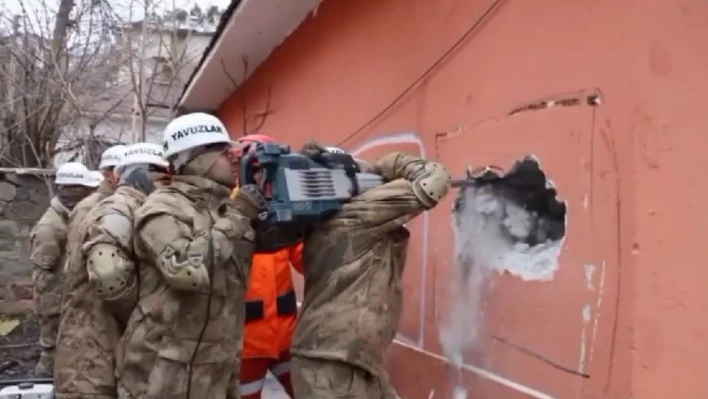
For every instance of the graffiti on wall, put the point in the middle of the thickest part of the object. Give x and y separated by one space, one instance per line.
415 140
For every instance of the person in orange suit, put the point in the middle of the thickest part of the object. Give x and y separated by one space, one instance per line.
271 313
271 305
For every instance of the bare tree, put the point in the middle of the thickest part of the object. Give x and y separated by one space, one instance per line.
247 116
52 62
164 48
92 73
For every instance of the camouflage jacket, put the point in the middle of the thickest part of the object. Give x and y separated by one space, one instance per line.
48 247
353 267
76 217
89 330
74 269
164 331
85 205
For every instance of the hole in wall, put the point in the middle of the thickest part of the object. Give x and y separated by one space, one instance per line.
511 222
507 222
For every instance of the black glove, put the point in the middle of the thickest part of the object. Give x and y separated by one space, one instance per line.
250 201
136 176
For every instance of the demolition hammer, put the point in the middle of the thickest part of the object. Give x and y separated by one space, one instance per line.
301 189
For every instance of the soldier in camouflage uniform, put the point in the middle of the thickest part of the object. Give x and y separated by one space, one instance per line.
109 159
195 246
48 242
353 266
101 280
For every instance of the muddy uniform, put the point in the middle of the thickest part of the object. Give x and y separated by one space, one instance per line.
179 272
94 316
48 241
85 205
353 267
76 218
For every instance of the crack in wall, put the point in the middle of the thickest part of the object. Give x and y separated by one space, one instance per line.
589 97
577 100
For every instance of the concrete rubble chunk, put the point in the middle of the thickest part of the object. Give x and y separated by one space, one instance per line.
11 178
8 191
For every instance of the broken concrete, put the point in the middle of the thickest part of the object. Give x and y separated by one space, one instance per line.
507 223
511 223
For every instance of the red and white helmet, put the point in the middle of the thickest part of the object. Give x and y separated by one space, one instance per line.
255 138
244 145
335 150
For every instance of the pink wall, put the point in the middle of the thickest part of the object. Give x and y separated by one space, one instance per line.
630 170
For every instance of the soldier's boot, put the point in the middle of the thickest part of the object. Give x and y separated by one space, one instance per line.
45 365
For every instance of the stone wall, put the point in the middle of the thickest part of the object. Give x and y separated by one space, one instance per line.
24 196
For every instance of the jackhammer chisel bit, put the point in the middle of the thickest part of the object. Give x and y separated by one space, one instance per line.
473 181
459 183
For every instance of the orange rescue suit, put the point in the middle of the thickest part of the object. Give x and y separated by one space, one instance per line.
271 305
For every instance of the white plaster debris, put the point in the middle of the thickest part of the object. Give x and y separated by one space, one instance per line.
482 228
489 234
459 393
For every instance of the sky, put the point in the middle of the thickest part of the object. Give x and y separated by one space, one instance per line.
40 7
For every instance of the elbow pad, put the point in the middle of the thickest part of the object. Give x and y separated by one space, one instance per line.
111 273
432 185
185 271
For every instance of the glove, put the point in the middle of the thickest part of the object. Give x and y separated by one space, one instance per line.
249 200
136 176
312 149
234 155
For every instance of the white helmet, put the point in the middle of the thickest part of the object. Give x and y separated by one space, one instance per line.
193 130
112 156
74 174
335 150
144 153
97 176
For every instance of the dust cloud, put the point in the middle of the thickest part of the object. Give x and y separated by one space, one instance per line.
510 223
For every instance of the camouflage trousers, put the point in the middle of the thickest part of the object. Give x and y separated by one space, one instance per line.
331 379
48 326
85 353
47 303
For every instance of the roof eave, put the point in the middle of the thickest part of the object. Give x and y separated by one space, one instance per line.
249 30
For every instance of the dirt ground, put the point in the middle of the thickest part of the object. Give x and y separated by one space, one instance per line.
19 353
19 350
